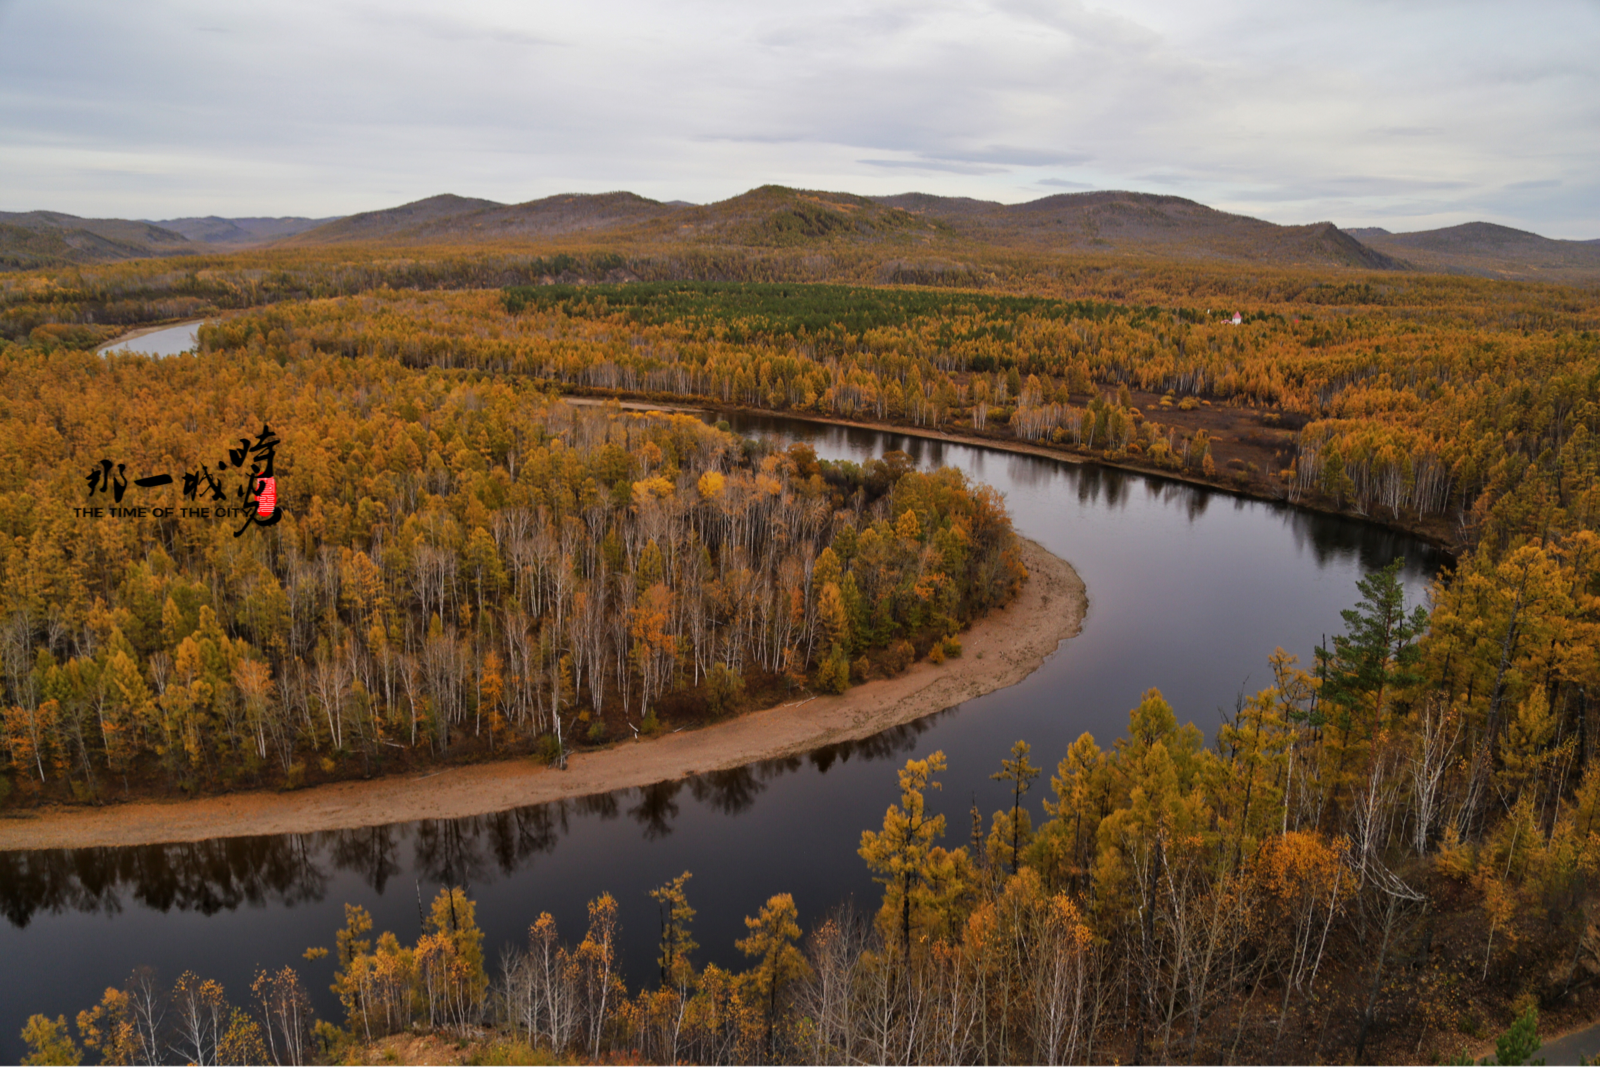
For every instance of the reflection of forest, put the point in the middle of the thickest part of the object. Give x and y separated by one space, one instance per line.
288 869
1102 488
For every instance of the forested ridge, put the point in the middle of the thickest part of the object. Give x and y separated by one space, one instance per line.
1387 853
463 564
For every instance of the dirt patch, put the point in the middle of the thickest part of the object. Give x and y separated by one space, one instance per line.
637 405
415 1048
1257 441
999 650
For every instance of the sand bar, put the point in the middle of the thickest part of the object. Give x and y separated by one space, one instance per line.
1000 650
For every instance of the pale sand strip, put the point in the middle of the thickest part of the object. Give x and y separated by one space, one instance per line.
1000 650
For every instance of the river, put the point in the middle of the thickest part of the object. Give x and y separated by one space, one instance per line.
1189 590
168 341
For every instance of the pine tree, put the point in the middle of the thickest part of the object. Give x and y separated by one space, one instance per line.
901 855
676 943
779 963
49 1042
1018 826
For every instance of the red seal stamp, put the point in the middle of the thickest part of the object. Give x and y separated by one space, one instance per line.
266 496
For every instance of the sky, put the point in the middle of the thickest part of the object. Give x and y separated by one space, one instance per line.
1405 114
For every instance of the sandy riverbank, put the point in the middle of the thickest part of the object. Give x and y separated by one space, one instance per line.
1000 650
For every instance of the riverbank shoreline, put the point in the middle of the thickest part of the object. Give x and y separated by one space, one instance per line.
999 650
1435 534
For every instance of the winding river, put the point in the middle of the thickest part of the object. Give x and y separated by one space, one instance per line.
1189 590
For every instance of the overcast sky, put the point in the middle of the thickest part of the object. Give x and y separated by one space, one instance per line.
1405 114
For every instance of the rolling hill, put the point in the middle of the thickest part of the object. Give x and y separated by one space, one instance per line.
1148 224
916 237
239 233
1491 251
775 216
456 219
30 239
52 238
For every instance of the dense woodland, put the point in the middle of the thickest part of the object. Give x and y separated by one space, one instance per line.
461 564
1340 877
1410 397
1422 423
1386 854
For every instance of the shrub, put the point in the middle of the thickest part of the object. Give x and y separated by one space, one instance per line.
499 1053
724 689
833 675
547 749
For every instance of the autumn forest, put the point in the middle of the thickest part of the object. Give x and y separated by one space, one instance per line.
1386 853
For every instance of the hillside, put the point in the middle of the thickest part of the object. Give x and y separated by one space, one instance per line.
932 239
1490 251
770 215
240 233
454 219
1147 224
31 239
775 216
395 222
914 238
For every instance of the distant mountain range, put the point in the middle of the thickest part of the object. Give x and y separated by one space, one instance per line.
775 216
50 238
31 239
1149 224
1489 250
917 232
239 233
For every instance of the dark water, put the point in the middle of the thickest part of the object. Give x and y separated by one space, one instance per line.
1189 591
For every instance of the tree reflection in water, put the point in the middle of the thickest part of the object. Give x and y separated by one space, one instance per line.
287 869
373 852
205 876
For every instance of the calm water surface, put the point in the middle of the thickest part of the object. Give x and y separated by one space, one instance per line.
1189 591
172 341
